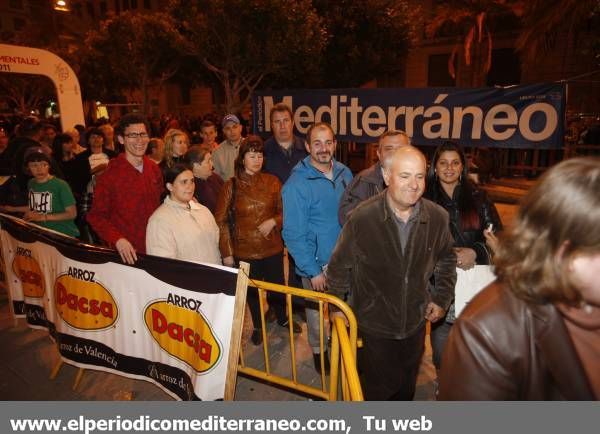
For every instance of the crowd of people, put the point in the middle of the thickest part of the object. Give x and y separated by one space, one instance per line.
388 241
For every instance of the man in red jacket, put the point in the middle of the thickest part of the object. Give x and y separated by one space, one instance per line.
127 193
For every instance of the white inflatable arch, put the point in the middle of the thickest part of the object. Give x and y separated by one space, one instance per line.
26 60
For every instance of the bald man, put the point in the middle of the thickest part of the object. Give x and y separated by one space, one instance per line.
387 252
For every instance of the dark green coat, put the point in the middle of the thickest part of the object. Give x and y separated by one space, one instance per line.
386 288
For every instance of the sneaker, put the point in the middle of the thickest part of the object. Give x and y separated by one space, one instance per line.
257 337
295 326
317 360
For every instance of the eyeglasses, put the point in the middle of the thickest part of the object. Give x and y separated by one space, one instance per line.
137 135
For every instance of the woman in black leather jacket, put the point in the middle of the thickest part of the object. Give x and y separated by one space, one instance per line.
471 214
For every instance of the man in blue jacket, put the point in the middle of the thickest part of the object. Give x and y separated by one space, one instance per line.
311 198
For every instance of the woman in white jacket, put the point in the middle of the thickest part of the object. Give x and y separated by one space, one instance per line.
182 228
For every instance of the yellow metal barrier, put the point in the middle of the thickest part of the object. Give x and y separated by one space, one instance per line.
343 346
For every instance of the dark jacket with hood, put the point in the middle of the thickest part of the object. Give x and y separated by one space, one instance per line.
365 185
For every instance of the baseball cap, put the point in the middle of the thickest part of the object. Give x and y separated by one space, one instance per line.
230 118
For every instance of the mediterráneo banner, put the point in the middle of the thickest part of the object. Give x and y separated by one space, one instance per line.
529 116
162 320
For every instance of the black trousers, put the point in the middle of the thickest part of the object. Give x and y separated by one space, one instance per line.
269 269
388 368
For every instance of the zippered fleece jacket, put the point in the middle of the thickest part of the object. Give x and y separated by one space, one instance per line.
310 214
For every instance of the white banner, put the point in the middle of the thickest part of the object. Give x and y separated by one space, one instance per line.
162 320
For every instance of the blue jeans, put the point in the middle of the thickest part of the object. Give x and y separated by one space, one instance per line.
439 335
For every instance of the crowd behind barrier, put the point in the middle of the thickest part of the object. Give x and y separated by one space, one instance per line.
256 219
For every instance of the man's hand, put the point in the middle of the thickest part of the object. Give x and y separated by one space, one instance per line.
266 227
337 313
126 251
229 261
465 257
433 312
32 216
319 283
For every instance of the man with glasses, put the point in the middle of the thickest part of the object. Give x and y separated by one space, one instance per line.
127 193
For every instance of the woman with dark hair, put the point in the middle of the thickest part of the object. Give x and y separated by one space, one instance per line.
97 153
471 214
208 183
85 167
249 215
63 152
534 334
182 228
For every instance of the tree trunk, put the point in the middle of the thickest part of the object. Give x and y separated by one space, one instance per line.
145 108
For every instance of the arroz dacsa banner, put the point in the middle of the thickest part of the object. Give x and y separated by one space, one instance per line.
161 320
529 116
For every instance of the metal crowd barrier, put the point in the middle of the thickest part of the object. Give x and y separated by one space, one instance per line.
343 374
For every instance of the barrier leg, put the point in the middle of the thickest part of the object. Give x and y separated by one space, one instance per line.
55 370
78 378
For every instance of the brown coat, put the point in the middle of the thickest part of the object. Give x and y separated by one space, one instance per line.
503 348
257 198
388 286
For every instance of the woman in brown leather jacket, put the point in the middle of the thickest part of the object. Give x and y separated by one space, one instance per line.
249 216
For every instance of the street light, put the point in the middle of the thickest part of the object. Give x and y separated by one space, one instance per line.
61 5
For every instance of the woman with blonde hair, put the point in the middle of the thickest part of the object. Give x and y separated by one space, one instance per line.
176 145
534 334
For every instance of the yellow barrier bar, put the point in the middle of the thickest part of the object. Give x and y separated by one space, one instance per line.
263 330
343 346
284 382
313 295
335 363
288 300
321 344
349 361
